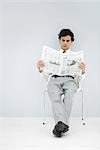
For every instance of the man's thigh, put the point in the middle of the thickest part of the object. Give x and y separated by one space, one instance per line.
54 89
70 87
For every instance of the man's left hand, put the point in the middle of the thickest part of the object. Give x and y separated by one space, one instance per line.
82 66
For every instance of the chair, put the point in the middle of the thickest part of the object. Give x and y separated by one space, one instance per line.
80 90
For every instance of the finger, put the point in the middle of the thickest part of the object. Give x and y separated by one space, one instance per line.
41 62
83 65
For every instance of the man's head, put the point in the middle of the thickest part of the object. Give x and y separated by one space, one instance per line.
66 37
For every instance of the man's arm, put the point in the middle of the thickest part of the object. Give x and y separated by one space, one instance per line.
40 65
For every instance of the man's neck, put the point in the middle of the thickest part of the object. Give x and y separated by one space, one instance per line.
65 51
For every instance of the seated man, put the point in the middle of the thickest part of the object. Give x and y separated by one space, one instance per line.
59 85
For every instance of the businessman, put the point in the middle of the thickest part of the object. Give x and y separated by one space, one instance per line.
66 85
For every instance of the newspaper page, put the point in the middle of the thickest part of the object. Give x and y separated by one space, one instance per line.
61 64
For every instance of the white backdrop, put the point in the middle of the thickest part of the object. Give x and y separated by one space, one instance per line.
24 28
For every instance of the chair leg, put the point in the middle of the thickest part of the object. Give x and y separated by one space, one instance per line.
44 117
82 108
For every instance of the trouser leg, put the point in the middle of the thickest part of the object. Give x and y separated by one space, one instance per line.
55 92
70 89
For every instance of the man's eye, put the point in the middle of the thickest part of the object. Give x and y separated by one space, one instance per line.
63 40
67 40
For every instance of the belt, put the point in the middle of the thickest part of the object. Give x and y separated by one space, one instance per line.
62 76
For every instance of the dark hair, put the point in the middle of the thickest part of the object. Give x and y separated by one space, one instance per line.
65 32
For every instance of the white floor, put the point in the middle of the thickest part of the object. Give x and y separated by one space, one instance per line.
30 134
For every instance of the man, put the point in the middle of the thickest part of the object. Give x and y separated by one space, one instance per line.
65 85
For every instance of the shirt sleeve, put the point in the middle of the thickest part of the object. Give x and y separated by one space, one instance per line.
45 75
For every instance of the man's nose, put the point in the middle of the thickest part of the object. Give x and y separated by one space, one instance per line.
65 43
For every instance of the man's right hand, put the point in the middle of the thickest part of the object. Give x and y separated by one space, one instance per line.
40 65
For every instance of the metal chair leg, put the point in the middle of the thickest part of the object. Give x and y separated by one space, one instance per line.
44 122
82 107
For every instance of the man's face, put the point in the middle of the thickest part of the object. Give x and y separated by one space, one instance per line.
65 42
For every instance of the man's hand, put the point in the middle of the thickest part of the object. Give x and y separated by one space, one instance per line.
82 66
40 65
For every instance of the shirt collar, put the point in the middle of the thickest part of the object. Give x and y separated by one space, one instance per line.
67 51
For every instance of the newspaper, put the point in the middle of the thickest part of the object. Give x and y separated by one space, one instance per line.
61 63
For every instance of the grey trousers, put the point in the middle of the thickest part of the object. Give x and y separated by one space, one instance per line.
61 91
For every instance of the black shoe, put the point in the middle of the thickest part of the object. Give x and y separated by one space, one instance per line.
61 127
55 132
